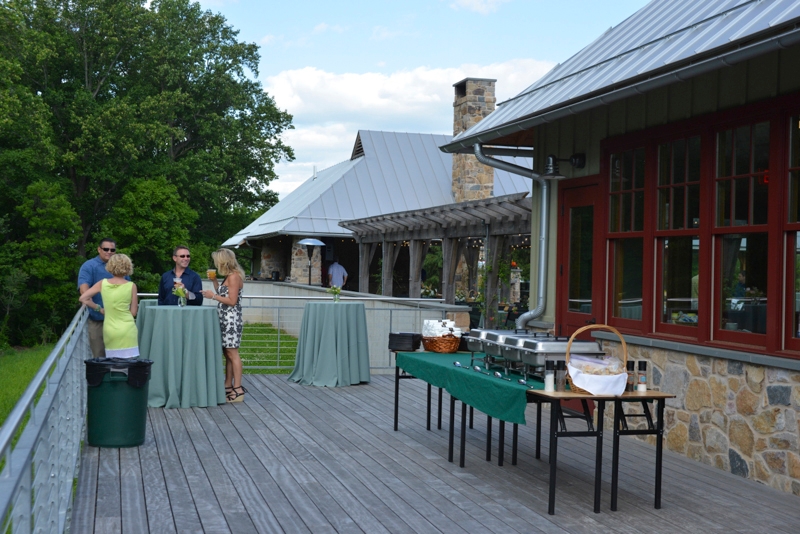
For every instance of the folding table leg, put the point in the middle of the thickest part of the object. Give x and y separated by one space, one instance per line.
463 432
439 426
555 406
428 417
598 466
488 438
618 418
452 428
539 429
396 393
501 443
514 436
659 450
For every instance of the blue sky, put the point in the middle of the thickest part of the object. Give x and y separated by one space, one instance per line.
384 65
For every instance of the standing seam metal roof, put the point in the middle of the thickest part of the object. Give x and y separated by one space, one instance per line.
397 172
663 35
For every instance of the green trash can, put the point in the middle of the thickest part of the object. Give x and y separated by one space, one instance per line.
116 411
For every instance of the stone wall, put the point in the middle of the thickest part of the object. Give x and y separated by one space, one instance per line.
299 267
272 259
474 101
739 417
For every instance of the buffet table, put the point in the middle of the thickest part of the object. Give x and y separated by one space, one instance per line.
332 348
507 401
185 345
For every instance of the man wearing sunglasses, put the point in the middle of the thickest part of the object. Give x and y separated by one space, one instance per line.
92 271
189 280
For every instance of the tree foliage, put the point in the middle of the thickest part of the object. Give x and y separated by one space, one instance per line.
140 121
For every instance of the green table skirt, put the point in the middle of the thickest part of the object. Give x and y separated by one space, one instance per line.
333 348
185 345
498 398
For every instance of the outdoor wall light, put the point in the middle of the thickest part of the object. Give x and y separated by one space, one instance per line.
551 171
310 243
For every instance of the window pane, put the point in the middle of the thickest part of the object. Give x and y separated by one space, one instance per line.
625 209
742 155
627 170
743 273
627 290
581 238
638 211
761 147
693 206
678 202
663 209
613 214
678 162
760 200
794 201
794 150
693 171
616 172
724 203
681 280
638 181
796 301
664 162
724 149
741 201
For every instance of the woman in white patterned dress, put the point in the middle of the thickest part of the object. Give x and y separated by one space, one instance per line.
228 296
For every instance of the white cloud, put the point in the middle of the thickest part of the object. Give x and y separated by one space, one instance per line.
480 6
267 39
330 108
323 27
382 33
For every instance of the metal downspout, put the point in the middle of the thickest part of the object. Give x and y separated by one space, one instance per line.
544 211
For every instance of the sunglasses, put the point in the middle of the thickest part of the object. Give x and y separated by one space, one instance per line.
184 255
104 249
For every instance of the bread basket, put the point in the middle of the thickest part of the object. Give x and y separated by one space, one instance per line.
579 331
444 344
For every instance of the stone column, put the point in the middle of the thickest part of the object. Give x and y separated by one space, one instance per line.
299 269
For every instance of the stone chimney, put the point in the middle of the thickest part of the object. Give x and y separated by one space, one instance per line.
474 100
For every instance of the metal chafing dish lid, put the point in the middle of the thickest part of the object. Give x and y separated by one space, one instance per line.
558 345
517 339
499 336
479 333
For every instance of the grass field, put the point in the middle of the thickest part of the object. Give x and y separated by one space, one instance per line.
18 367
266 349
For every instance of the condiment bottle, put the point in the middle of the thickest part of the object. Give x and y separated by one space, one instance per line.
561 375
632 378
549 376
641 382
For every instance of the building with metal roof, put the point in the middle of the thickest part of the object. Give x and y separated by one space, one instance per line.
387 172
675 215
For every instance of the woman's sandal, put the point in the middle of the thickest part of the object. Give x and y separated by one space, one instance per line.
236 396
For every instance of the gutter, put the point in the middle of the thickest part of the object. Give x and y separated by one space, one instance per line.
544 219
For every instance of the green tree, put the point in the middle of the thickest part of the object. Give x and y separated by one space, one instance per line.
146 120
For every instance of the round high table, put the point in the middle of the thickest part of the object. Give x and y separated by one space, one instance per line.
185 345
332 349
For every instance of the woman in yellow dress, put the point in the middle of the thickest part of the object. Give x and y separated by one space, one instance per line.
121 305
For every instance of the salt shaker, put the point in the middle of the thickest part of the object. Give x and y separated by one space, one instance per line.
641 382
561 375
549 376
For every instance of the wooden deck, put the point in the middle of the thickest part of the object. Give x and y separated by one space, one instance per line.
306 459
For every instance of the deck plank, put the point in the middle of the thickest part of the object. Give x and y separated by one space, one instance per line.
305 459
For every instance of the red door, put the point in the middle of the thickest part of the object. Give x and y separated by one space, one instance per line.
581 257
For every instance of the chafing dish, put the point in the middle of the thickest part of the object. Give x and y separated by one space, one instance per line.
535 351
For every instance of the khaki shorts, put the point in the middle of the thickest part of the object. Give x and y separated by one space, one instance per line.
96 339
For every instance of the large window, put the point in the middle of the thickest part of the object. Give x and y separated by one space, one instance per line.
626 209
703 235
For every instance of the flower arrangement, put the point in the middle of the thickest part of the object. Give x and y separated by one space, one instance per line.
335 291
428 292
180 292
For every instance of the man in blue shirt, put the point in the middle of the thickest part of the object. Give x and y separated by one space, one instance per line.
189 280
92 271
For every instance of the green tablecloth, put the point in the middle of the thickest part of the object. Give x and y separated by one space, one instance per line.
185 345
332 349
498 398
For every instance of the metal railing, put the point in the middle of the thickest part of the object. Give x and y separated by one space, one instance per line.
38 469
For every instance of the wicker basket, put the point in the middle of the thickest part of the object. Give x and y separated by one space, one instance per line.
444 344
579 331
